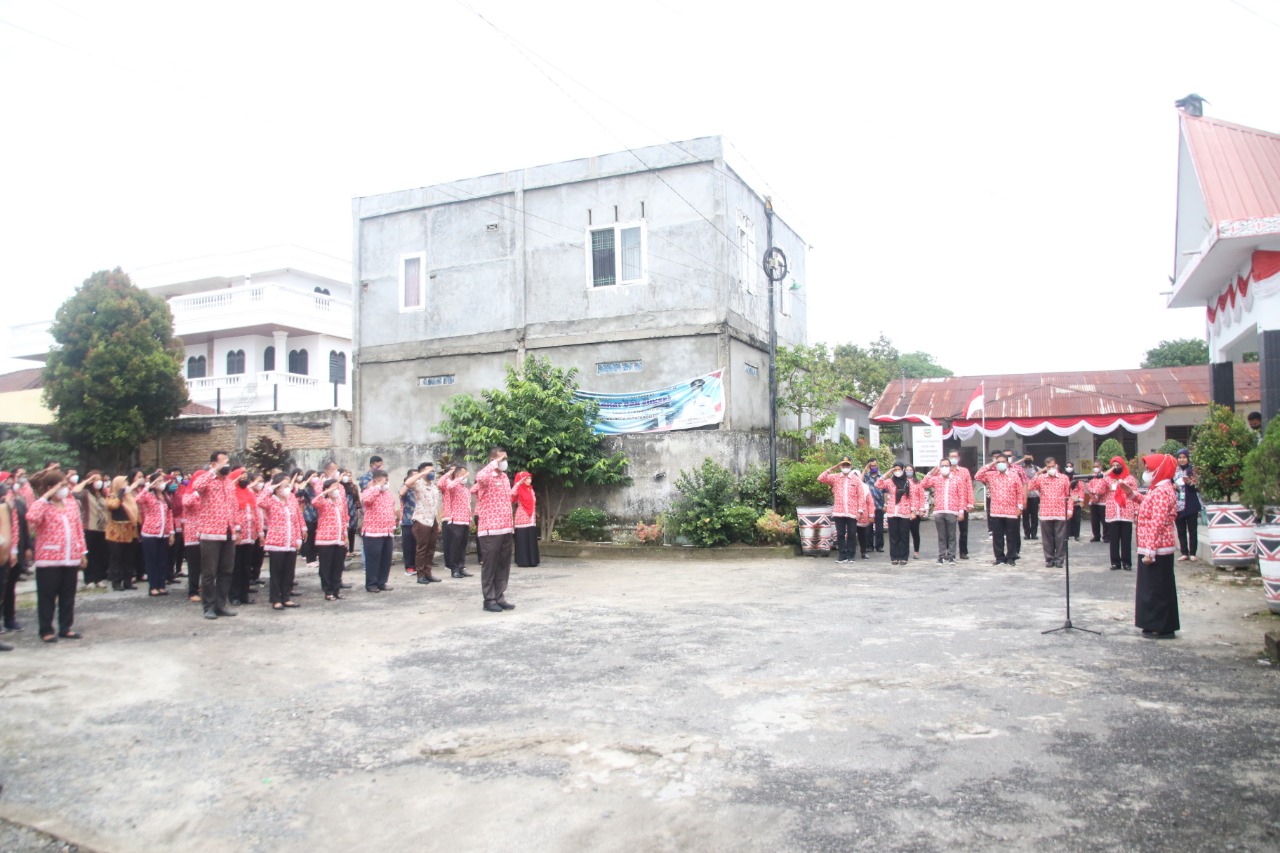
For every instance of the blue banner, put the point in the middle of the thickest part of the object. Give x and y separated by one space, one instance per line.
696 403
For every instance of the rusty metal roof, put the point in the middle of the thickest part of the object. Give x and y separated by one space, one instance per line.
1057 395
1238 168
22 380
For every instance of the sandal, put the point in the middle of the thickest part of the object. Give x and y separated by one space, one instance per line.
331 598
49 638
155 592
291 604
277 606
71 635
193 598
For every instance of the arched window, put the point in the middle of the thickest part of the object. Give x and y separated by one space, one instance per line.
196 367
337 367
235 362
269 358
298 362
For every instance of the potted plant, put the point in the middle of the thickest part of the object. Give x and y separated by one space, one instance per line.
1218 448
1260 491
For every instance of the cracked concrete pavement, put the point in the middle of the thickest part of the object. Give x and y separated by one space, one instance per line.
783 704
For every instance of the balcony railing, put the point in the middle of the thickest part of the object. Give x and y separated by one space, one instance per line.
265 391
260 304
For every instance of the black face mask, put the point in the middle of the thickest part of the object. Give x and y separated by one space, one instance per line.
1115 469
224 470
244 484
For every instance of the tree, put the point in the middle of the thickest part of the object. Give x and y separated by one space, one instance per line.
1219 446
266 453
921 365
809 389
114 376
545 429
1260 490
28 447
1184 352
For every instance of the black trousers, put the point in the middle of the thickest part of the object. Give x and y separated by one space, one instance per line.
915 534
1004 539
1095 521
282 565
899 538
1031 518
495 570
179 550
192 550
1188 535
1156 596
1073 523
56 587
309 544
845 545
1120 538
96 543
963 527
408 546
333 559
878 530
240 570
120 564
864 539
155 553
217 560
10 587
455 545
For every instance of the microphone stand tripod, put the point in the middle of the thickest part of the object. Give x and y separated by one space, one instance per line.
1066 570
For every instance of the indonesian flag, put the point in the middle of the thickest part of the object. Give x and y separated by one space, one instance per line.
976 402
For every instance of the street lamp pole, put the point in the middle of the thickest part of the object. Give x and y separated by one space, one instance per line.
775 268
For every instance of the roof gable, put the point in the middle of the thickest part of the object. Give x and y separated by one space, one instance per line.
1237 167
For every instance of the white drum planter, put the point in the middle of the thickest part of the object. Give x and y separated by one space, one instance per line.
1267 537
817 529
1231 540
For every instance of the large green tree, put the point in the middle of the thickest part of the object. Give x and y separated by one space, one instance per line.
30 447
809 389
1183 352
920 365
114 375
864 373
545 429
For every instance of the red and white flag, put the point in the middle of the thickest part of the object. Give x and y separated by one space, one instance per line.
977 402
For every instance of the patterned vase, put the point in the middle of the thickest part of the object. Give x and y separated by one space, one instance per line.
1231 539
817 529
1267 537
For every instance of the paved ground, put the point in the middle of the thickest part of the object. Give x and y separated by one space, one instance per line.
774 706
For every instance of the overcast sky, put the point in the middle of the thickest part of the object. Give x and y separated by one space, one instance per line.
971 176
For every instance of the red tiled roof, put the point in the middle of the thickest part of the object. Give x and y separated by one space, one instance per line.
22 380
1056 395
191 410
1238 168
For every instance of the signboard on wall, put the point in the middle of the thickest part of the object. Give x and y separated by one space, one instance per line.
926 446
875 435
696 403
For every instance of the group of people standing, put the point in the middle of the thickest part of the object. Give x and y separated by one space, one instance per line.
225 522
1045 502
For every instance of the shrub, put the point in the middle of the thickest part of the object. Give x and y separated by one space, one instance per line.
1261 486
740 523
705 493
1108 450
265 454
1170 447
1218 449
753 488
800 483
774 529
584 524
649 534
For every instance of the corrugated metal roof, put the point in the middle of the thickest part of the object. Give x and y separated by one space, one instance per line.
1056 395
22 380
1238 168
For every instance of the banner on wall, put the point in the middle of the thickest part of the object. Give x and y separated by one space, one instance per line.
688 405
926 446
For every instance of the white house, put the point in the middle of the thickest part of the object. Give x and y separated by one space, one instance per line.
264 330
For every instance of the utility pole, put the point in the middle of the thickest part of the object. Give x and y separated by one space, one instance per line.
775 268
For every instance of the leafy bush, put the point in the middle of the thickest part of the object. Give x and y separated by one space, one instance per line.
1108 450
705 493
649 534
265 454
800 483
774 529
584 524
753 488
1261 486
30 447
1218 449
740 523
1170 447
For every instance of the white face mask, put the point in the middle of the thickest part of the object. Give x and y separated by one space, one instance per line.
283 491
945 470
346 479
955 460
22 481
74 478
502 466
1097 470
1146 477
384 487
257 487
102 484
1053 472
845 470
1070 468
911 472
62 493
1002 466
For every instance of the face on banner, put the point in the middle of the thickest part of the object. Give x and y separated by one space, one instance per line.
688 405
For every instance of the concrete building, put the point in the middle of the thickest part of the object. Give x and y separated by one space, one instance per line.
1064 415
1227 246
264 330
640 269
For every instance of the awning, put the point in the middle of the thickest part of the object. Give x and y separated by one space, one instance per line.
1096 424
890 420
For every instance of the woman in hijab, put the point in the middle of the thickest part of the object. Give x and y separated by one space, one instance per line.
1156 600
899 506
1119 511
1184 483
526 528
122 530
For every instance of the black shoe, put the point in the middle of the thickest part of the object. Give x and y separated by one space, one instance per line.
384 588
222 611
372 589
209 614
463 573
964 556
879 550
346 586
1095 539
1011 563
493 607
424 580
12 626
1128 568
5 647
1115 568
505 606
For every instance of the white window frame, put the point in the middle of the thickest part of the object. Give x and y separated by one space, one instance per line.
422 282
749 268
618 228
